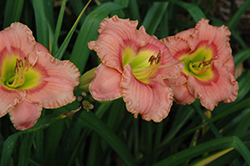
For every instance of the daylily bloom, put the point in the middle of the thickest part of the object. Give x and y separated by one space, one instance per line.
209 65
133 66
30 78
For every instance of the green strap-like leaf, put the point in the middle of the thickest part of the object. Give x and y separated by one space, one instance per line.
88 32
195 11
13 10
220 143
66 41
42 23
25 149
91 120
8 147
42 123
154 16
234 21
241 56
58 27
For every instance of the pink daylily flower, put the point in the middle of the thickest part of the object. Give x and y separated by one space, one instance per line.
30 78
133 66
209 65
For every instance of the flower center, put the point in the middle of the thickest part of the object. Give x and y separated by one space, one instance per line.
22 66
201 67
145 73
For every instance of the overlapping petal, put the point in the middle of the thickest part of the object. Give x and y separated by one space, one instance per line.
18 36
57 84
224 89
185 34
182 94
230 65
209 67
25 115
106 84
171 67
152 101
30 78
115 35
179 49
216 38
9 99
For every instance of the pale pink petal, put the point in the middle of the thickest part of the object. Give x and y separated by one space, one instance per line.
216 38
57 84
223 88
178 48
182 94
230 65
172 68
25 115
152 101
40 48
115 35
18 36
9 98
181 79
185 34
106 84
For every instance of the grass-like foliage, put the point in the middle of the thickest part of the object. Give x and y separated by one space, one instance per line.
108 134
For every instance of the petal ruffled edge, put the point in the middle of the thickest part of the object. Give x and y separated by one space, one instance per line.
106 84
115 35
152 102
185 34
58 83
178 47
18 36
25 115
216 37
9 98
225 89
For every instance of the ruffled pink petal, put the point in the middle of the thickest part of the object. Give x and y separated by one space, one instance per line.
18 36
185 34
40 48
25 115
57 84
9 98
115 35
152 101
213 37
177 47
211 93
230 65
106 84
182 94
153 44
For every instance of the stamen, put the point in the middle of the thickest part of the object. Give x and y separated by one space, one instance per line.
203 66
156 59
26 63
19 70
